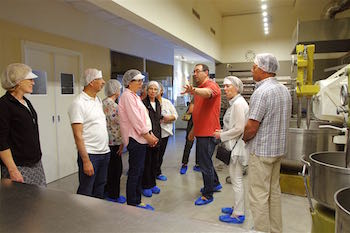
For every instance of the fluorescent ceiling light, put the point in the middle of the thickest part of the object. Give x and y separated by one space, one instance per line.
265 19
264 13
264 7
266 24
266 32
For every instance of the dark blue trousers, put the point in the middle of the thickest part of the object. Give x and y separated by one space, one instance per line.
94 185
137 154
205 147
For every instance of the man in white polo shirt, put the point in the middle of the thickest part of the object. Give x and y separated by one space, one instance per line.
90 134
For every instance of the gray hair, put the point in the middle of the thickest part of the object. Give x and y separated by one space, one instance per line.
153 83
112 87
235 82
13 74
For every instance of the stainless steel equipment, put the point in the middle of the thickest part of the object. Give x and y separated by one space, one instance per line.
342 210
303 141
328 174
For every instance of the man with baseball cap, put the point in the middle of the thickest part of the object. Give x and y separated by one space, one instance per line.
90 134
266 133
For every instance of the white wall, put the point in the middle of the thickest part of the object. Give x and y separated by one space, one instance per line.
174 20
61 19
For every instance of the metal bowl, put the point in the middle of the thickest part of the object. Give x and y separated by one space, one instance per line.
328 174
342 210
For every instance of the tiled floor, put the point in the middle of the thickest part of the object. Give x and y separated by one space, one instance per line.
179 192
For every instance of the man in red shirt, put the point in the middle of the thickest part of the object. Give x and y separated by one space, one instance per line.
205 115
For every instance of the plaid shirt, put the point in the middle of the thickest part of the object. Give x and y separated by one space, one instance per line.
271 105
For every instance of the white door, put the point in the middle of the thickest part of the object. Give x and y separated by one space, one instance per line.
67 78
42 62
51 100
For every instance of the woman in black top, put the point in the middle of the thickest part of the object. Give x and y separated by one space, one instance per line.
152 104
20 151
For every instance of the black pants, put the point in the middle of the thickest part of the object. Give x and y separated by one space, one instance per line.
115 169
163 144
137 153
150 168
188 145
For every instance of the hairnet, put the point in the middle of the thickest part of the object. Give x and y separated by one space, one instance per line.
235 82
267 62
14 73
90 75
112 87
131 75
154 83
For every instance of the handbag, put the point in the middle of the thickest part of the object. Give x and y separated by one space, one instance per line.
223 154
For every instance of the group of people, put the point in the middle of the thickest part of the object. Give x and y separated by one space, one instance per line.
255 134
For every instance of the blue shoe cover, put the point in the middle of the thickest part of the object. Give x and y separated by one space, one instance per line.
203 201
147 192
196 168
216 189
183 170
155 190
145 206
121 199
227 210
162 178
234 220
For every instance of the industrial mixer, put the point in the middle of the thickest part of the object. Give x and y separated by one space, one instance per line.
329 171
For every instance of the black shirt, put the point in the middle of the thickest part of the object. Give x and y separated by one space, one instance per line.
155 116
19 131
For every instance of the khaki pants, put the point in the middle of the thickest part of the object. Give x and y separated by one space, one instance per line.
265 193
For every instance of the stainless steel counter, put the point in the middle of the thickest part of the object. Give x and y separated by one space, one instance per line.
27 208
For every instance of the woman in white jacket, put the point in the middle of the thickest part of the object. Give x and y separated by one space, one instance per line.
235 119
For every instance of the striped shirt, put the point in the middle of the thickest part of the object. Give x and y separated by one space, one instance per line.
271 105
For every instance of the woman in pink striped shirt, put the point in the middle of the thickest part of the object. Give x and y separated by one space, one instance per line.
136 129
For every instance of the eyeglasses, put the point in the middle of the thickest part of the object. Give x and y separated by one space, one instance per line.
197 71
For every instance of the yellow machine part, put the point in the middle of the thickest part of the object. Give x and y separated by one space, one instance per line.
305 63
323 220
293 184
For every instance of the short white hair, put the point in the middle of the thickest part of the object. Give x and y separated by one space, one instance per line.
154 83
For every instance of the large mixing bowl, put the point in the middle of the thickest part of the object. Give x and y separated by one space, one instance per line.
328 174
342 210
303 141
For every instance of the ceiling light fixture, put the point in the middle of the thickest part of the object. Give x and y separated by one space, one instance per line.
264 14
266 24
263 6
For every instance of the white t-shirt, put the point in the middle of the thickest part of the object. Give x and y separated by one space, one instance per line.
89 112
168 109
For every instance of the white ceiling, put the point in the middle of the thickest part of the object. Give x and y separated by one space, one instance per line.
225 7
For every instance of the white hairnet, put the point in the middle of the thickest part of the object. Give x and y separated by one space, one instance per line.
14 73
131 75
112 87
235 82
267 62
154 83
90 75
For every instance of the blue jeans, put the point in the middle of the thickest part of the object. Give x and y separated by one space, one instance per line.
204 149
94 185
137 154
